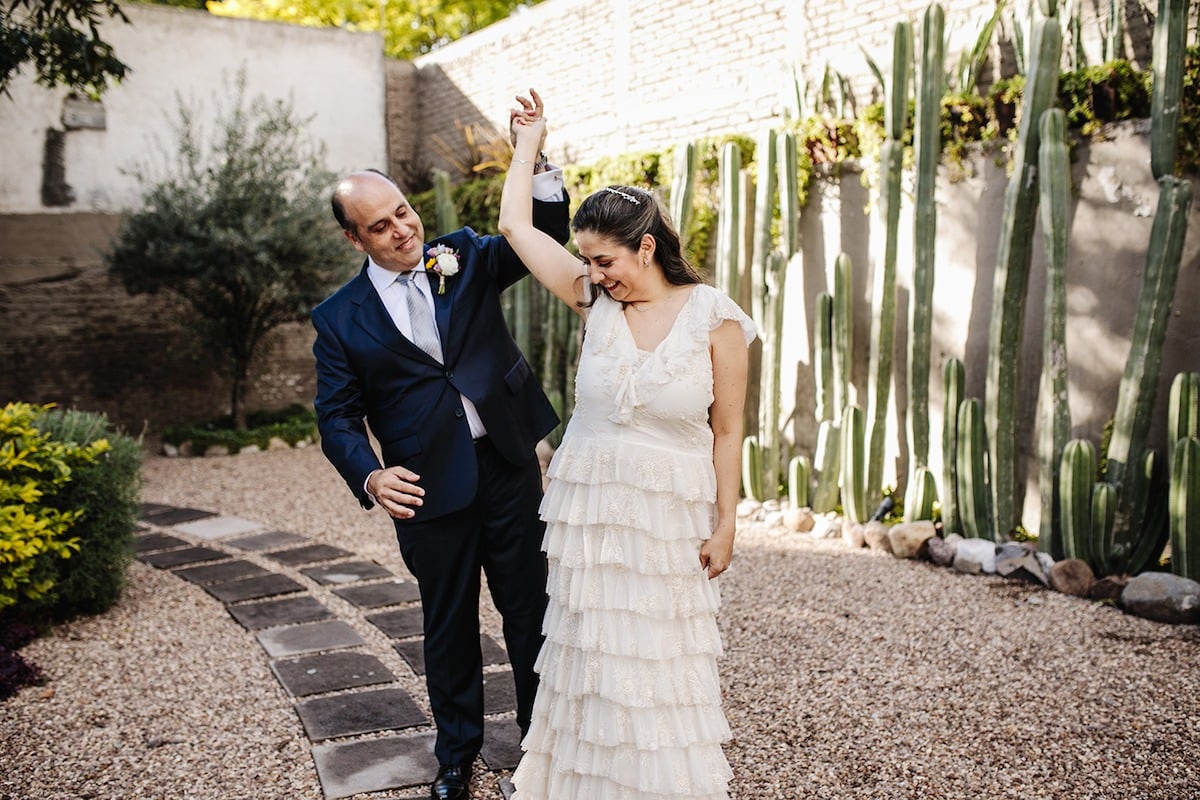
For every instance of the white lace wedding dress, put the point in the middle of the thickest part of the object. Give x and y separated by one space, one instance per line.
629 704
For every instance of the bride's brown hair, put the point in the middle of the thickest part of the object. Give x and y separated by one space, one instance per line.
625 214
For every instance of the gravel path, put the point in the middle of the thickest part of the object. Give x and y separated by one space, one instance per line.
848 675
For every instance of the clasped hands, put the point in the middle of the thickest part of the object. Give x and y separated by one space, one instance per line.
529 118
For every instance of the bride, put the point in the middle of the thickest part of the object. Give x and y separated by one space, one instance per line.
640 508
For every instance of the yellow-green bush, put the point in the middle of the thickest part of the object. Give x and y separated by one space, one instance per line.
34 535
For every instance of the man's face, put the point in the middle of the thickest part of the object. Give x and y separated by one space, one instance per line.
385 226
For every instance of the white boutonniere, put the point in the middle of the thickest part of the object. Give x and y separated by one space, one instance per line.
444 261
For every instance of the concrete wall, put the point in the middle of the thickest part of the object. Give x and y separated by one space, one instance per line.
70 334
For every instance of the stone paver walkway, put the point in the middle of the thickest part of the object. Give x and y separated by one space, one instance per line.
368 734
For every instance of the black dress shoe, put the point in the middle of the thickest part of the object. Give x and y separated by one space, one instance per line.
451 783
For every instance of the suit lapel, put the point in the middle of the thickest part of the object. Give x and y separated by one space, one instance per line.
373 318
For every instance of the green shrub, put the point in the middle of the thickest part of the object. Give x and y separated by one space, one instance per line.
293 424
34 533
105 492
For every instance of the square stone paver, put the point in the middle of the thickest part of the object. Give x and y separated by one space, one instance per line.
358 713
346 572
413 652
377 595
310 638
219 573
166 516
499 693
375 765
157 541
149 509
288 611
401 623
329 672
218 527
268 585
307 555
166 559
501 744
271 540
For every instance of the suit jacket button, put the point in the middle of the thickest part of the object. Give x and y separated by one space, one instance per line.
459 413
449 374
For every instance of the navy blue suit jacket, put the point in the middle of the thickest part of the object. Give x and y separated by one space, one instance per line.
369 374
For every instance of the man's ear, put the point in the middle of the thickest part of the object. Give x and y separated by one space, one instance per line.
353 240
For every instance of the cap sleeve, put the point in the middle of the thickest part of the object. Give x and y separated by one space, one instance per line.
723 308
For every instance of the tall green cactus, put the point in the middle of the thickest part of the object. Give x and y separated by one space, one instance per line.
729 222
1054 412
954 379
854 467
1170 43
790 198
764 211
974 493
771 333
926 148
1185 509
799 481
752 469
683 183
827 467
446 208
883 323
1012 275
1078 480
843 331
1183 410
921 496
822 357
1139 383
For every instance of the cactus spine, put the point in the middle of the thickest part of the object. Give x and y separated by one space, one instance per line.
854 468
927 147
1185 509
1078 479
883 328
729 222
974 494
1012 275
827 473
799 479
683 183
954 378
1054 413
823 357
1170 43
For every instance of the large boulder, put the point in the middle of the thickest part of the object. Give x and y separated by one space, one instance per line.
907 538
876 534
1163 597
1072 576
975 556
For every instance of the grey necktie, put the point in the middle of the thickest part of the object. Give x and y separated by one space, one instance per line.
424 329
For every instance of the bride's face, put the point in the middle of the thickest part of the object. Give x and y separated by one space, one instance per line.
613 266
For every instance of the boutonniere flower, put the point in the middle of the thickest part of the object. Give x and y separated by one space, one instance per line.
444 261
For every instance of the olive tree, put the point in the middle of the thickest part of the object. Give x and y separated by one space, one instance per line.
238 229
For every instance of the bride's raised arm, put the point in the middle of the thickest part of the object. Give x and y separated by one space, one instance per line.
552 264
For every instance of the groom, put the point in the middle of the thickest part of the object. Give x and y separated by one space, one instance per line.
416 348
